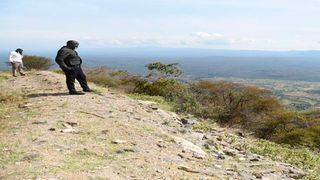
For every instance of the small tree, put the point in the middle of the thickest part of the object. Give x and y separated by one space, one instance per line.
159 81
160 70
37 62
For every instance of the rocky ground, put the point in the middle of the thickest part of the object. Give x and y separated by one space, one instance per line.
106 135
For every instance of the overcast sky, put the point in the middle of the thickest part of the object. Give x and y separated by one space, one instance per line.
216 24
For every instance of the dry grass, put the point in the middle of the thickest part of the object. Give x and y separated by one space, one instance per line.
300 157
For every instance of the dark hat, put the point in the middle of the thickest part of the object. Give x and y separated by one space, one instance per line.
19 50
72 43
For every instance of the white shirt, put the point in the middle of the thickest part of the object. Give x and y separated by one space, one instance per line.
15 57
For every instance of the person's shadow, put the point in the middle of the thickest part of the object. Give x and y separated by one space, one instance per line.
47 94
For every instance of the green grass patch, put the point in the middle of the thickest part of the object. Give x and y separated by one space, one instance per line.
300 157
4 117
4 75
58 71
28 172
9 116
83 160
157 99
10 153
148 128
203 126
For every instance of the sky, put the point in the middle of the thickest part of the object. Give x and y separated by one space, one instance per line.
215 24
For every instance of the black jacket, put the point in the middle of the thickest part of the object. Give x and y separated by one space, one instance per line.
68 58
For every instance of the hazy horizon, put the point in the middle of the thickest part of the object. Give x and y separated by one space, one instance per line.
204 63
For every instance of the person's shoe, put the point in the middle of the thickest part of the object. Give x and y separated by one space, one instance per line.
22 74
87 90
76 93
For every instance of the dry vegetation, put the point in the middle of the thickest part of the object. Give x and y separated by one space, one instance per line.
229 104
8 103
36 62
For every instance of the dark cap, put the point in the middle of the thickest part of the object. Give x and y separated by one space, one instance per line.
72 43
19 50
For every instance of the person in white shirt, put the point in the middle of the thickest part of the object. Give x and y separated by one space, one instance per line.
15 59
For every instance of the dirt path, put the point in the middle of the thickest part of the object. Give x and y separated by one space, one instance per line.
106 135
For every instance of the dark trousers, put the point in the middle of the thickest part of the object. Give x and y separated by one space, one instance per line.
76 73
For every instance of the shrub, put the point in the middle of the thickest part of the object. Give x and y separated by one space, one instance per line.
298 130
231 103
255 110
37 62
299 136
159 82
121 80
187 103
167 88
164 70
271 123
102 76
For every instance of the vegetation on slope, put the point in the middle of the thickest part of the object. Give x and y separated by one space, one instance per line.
230 104
37 62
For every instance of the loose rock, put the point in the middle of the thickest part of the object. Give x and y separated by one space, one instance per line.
118 141
30 157
39 122
189 146
188 169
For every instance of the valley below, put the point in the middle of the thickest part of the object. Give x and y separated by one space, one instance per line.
296 95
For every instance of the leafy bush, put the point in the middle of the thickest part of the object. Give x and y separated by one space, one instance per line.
164 70
299 130
255 110
299 136
167 88
102 76
37 62
231 103
121 80
159 82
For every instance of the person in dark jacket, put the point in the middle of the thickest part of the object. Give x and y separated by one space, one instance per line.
70 62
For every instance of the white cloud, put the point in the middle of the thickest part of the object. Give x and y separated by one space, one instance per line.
243 40
207 35
209 39
92 41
